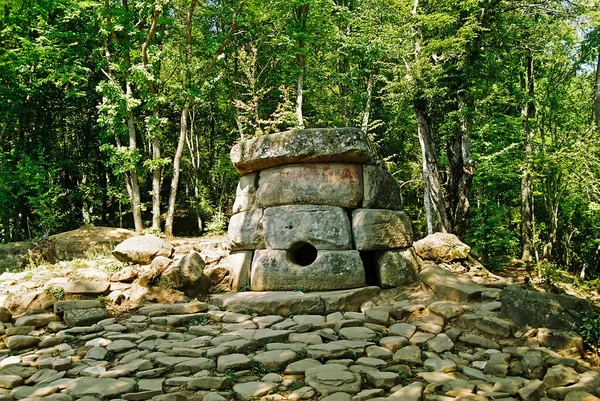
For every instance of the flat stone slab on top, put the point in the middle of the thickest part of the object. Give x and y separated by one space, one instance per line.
283 302
332 145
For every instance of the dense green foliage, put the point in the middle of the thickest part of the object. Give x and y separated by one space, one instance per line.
80 79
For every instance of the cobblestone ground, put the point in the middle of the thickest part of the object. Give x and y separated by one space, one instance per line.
415 349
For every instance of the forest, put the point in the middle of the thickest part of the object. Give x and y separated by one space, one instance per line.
487 112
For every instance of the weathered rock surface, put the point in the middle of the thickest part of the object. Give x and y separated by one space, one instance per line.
375 229
381 189
239 264
541 310
245 230
311 184
396 267
330 270
338 145
450 286
441 247
245 193
142 249
324 227
188 272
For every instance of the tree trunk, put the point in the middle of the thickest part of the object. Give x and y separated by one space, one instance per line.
367 111
176 162
597 93
527 113
430 170
156 184
299 98
136 203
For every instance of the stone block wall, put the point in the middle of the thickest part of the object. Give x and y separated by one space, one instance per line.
315 211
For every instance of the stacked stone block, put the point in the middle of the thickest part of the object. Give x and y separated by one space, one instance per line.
313 211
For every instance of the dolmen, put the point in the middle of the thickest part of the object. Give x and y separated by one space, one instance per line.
315 210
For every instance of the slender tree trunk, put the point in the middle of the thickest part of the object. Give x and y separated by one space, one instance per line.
430 170
597 93
527 114
136 203
176 162
367 110
156 184
299 98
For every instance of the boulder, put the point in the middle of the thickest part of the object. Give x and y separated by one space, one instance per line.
324 227
87 241
529 307
239 264
84 317
245 230
450 286
295 270
142 249
375 229
396 267
245 193
11 253
187 272
311 184
441 247
381 190
338 145
87 287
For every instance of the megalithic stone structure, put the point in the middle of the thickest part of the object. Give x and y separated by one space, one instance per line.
314 211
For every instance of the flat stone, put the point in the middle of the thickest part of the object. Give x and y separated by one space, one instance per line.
275 360
447 309
84 317
381 189
396 267
311 184
497 365
374 229
120 346
495 326
62 306
10 381
38 320
440 343
329 382
580 395
405 330
338 397
442 247
233 362
440 365
331 270
412 392
245 193
87 287
195 365
210 383
324 227
532 391
248 391
357 333
103 388
478 341
409 355
450 286
245 230
19 342
338 145
393 343
301 366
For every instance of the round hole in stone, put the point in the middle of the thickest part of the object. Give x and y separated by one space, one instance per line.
303 254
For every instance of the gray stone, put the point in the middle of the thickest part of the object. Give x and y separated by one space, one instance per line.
245 193
210 383
559 376
478 341
374 229
338 145
10 381
245 230
450 286
301 366
440 343
331 270
173 309
19 342
528 307
357 333
311 184
103 388
532 391
405 330
61 306
333 381
84 317
497 365
233 362
566 343
142 249
275 360
268 303
409 355
412 392
381 189
441 247
239 264
38 320
88 287
580 395
324 227
396 267
495 326
248 391
187 272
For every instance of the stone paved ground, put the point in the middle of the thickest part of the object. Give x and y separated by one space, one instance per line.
418 348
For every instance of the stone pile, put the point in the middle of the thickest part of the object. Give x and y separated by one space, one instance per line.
315 211
411 350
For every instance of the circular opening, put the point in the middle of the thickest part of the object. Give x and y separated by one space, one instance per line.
303 254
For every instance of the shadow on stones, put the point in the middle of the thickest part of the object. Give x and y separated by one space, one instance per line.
368 260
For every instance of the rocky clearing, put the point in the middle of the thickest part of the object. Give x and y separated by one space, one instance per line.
85 330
